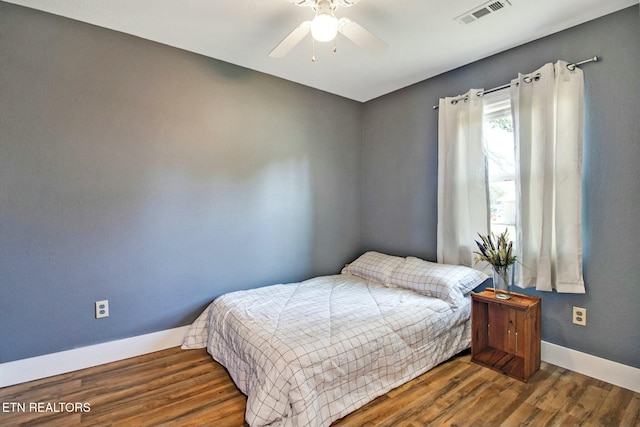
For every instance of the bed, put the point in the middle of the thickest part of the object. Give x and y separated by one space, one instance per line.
309 353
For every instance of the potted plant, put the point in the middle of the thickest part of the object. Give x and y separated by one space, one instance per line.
498 251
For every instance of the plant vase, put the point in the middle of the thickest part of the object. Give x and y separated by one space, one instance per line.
502 280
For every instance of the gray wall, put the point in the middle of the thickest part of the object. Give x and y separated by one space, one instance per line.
400 176
156 179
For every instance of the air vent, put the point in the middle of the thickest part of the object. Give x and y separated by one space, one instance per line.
482 11
467 19
495 6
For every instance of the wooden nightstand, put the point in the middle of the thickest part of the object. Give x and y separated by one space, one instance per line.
506 333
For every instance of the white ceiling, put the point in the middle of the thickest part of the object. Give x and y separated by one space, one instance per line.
424 38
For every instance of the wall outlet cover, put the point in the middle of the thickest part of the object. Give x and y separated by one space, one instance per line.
102 309
580 316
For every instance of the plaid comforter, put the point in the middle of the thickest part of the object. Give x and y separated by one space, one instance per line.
309 353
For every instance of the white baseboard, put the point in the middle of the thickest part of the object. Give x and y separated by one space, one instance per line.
615 373
34 368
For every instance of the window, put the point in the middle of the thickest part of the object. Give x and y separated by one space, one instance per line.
500 155
543 211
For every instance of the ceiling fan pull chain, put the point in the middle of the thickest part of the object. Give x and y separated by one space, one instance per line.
313 50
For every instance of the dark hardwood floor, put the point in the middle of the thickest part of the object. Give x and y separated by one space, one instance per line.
187 388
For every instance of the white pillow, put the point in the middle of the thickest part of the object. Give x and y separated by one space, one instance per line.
373 266
447 282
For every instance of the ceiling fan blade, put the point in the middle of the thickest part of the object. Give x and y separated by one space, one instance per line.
291 40
360 36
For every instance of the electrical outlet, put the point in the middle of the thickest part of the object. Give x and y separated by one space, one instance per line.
102 309
580 316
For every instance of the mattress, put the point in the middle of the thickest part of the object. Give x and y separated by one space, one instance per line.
309 353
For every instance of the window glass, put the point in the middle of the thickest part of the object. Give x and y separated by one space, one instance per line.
501 173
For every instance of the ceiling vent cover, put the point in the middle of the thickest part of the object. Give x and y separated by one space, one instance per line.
482 10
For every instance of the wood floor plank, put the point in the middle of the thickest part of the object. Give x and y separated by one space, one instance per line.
631 413
609 413
175 387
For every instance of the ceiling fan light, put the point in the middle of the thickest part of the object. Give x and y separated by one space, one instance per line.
324 27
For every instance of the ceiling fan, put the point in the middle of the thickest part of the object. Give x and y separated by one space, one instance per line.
324 27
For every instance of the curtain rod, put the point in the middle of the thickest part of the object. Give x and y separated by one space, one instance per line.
497 88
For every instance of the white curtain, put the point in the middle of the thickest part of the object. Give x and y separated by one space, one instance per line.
462 194
547 108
